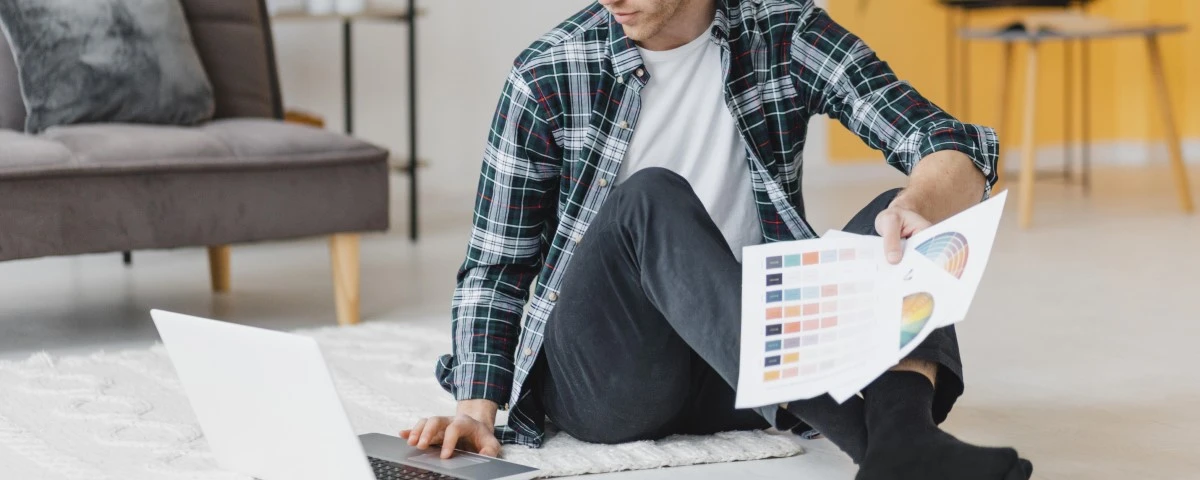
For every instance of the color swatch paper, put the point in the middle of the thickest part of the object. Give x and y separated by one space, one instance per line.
830 315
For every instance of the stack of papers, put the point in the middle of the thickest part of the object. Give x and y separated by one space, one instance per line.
830 315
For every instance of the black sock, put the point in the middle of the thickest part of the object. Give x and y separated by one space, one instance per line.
904 443
844 425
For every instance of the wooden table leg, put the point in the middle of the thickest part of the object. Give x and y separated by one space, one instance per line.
1173 142
1006 72
1068 106
1028 165
1085 113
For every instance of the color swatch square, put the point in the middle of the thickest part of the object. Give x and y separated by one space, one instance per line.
774 313
846 254
793 342
791 372
792 311
810 325
829 290
771 376
793 357
774 279
792 295
774 345
793 327
829 256
774 262
812 258
791 261
772 361
775 296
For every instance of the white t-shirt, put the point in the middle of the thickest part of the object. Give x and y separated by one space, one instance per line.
685 127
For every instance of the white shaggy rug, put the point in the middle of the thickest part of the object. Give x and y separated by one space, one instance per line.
124 415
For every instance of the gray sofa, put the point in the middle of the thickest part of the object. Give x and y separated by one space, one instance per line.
246 176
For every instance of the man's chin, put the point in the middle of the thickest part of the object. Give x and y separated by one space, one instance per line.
634 34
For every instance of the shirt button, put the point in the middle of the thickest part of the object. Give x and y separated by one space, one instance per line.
578 238
640 73
552 296
623 124
528 351
603 182
621 80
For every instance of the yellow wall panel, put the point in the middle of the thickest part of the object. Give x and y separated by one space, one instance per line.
911 36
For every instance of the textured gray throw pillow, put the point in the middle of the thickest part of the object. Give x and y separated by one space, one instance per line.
87 61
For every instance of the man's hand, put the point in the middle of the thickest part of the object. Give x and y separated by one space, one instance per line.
471 430
897 223
941 185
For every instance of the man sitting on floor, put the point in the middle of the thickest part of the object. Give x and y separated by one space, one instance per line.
635 150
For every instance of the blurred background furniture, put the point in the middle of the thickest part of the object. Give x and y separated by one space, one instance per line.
245 176
407 17
1068 30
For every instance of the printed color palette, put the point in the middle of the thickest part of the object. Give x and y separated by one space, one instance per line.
814 302
948 250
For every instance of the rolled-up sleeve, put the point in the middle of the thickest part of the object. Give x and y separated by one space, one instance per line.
838 75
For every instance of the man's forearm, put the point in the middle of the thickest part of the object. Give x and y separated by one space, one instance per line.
941 185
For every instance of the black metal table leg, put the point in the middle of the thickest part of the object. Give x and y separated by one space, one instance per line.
412 119
348 73
127 257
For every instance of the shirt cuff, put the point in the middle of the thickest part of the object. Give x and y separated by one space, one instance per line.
476 376
977 142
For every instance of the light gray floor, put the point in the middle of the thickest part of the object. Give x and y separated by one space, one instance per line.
1080 349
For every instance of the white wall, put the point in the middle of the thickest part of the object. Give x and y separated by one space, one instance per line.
465 50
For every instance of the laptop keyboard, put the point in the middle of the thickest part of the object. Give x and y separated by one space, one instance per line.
385 470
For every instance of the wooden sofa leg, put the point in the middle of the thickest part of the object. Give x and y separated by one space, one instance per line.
343 251
218 267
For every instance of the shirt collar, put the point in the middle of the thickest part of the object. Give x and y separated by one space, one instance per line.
625 56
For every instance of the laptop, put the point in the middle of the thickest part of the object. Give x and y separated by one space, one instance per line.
267 405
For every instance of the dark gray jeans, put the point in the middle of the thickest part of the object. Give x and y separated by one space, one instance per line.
644 340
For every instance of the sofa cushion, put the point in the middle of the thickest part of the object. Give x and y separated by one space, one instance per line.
106 61
223 145
29 153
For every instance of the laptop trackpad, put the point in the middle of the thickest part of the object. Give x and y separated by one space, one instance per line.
435 460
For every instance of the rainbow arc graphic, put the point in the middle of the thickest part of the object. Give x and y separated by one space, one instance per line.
948 250
915 314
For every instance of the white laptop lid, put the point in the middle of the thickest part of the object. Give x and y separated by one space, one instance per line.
265 400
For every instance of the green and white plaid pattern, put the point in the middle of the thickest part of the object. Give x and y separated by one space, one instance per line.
562 126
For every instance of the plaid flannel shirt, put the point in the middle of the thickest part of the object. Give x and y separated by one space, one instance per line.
566 116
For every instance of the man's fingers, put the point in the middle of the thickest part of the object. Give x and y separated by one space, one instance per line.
888 226
415 433
913 223
432 428
453 432
490 447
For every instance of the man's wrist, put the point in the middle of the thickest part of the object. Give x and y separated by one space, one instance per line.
482 410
